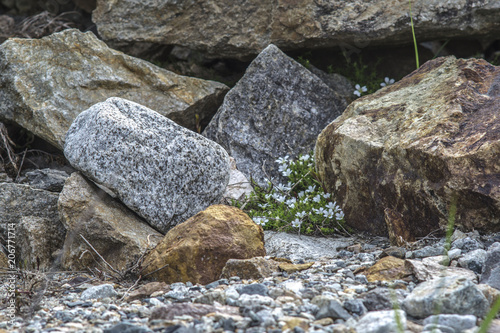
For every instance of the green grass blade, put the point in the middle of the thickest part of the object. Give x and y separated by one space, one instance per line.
414 38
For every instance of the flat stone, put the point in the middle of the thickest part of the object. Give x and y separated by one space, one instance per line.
430 268
386 269
49 81
420 135
383 298
158 169
146 290
275 92
46 179
450 294
292 268
295 247
456 322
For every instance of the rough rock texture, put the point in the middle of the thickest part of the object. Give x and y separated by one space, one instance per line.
187 309
246 269
277 108
431 267
387 269
415 146
45 83
491 268
46 179
231 28
198 249
382 321
118 234
38 239
159 169
297 247
451 294
18 201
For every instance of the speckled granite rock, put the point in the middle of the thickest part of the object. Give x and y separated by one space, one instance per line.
160 170
277 108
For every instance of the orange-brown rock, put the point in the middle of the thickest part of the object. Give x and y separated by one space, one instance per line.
246 269
415 146
197 249
386 269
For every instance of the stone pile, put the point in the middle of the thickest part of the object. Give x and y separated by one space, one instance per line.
330 294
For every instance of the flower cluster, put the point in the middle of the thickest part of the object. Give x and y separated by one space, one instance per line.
359 90
300 205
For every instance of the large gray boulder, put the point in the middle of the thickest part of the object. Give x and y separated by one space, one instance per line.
417 146
277 108
239 29
157 168
45 83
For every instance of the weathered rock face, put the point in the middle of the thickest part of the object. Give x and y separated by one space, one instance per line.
119 235
450 294
239 29
278 108
45 83
198 249
159 169
31 210
414 146
38 240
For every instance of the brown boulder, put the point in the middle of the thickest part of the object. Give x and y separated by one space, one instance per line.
115 232
198 249
415 146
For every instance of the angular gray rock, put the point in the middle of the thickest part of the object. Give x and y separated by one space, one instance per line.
409 148
160 170
450 295
49 81
239 29
329 307
491 268
99 292
46 179
473 260
115 232
382 322
38 240
18 201
277 108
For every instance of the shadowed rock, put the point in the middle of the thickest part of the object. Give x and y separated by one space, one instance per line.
416 146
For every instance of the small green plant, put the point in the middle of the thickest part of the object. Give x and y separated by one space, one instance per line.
414 38
301 205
